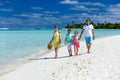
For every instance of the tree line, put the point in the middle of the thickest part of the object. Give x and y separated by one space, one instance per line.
96 26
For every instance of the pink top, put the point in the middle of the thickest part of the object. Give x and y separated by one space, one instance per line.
76 42
75 39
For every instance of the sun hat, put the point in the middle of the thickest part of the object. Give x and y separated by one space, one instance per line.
49 46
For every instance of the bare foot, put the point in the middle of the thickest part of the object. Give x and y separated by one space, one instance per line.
76 54
55 56
70 55
88 52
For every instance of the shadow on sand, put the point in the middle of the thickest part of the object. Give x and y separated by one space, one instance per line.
45 58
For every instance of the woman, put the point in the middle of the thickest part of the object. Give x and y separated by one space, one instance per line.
56 40
88 30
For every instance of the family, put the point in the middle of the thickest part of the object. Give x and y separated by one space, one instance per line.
71 39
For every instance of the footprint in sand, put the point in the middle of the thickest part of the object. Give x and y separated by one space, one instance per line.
70 77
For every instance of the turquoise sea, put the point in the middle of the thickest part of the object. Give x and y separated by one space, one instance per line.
16 44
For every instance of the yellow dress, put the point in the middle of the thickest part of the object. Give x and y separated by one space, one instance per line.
56 39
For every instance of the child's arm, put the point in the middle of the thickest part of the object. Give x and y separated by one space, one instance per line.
73 40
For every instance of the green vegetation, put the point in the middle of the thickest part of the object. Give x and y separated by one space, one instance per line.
96 26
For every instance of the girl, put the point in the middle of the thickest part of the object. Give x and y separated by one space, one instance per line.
76 43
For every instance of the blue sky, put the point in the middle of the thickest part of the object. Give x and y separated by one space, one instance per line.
47 13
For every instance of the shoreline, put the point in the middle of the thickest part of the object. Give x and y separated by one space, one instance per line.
16 66
21 61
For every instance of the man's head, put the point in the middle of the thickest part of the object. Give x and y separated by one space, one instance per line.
87 21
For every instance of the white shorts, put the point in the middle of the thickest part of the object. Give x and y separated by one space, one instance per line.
69 45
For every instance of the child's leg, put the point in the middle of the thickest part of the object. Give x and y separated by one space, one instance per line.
69 49
70 52
76 53
74 49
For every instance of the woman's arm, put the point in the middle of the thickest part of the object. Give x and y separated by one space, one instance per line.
60 37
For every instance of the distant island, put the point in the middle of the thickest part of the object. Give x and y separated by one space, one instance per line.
96 26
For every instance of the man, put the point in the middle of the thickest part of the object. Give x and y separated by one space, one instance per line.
88 30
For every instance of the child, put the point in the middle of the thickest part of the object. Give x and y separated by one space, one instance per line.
76 43
69 40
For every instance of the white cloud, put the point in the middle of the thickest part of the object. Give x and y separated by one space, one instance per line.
30 20
29 15
7 1
114 9
69 2
1 4
84 14
98 4
4 2
101 18
87 6
51 12
11 21
37 8
83 8
6 10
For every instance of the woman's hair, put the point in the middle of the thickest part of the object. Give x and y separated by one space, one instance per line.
55 26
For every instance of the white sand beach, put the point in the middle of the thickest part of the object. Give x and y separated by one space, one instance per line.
103 63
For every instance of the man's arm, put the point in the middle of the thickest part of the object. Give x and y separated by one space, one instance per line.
93 34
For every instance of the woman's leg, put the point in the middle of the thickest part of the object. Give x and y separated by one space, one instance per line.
56 52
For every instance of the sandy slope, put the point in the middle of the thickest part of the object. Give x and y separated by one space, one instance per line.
102 64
